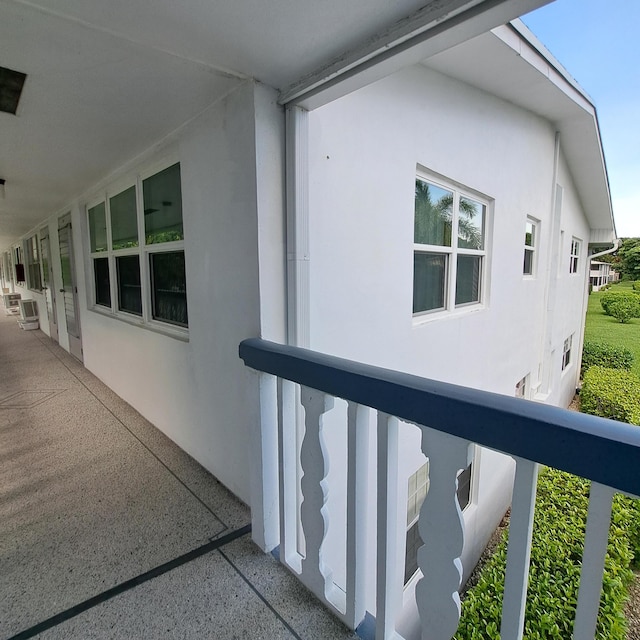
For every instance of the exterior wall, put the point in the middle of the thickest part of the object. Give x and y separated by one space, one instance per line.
364 153
196 389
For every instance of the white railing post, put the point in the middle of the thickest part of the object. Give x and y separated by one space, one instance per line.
265 522
595 550
387 523
313 511
442 530
357 503
287 444
519 550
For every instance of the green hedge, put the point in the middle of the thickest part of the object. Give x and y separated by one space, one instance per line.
636 285
605 355
556 556
622 305
611 393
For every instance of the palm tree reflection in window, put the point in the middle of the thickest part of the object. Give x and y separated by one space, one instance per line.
439 214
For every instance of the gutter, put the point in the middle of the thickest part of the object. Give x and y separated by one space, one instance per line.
585 301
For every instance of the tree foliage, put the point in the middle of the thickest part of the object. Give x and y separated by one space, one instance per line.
434 219
629 258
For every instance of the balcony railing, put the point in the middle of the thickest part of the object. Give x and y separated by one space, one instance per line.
293 515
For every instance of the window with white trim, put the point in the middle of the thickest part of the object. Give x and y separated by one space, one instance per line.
530 247
449 247
18 266
566 352
416 493
34 278
575 255
417 489
522 387
136 244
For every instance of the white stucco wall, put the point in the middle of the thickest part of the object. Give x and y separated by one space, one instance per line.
364 153
196 389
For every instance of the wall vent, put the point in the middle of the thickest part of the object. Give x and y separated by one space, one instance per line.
11 83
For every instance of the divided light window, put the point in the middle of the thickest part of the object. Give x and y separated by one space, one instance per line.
418 487
449 247
575 255
34 279
566 352
137 248
530 246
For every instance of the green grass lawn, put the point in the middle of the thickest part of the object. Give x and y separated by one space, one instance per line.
605 329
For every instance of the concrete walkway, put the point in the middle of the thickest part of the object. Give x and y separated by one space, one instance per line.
108 530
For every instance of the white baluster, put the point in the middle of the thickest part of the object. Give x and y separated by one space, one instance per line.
357 501
387 591
287 408
313 511
442 530
519 549
595 550
265 521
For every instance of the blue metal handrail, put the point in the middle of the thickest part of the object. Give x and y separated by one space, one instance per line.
602 450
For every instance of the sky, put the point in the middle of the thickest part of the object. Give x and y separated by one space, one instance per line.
597 41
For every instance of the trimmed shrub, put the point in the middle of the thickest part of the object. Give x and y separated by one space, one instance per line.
611 393
636 286
622 305
605 355
556 556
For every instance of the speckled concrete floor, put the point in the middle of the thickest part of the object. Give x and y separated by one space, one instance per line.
93 496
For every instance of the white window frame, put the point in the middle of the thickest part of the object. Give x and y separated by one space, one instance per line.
452 252
417 488
566 352
31 245
143 251
522 388
533 248
574 255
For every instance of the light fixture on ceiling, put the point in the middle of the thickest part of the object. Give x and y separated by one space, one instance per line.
2 189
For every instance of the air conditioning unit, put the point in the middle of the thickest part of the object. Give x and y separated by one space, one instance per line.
11 301
28 315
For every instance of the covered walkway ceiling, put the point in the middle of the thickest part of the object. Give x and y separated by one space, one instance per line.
106 80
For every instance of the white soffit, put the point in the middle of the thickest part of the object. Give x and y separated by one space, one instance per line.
506 64
91 102
106 80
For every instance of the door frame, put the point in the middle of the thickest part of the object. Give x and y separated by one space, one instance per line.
75 339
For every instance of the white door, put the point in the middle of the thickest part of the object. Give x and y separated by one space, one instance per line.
69 289
48 284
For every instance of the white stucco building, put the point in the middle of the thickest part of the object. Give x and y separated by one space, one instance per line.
184 227
600 273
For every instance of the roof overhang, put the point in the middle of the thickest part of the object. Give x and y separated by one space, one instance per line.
510 63
108 80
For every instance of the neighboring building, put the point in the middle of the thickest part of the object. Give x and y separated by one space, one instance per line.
440 222
600 273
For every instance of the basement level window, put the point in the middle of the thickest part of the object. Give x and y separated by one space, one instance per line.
11 83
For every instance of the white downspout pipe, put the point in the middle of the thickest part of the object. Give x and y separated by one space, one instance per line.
585 301
297 191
